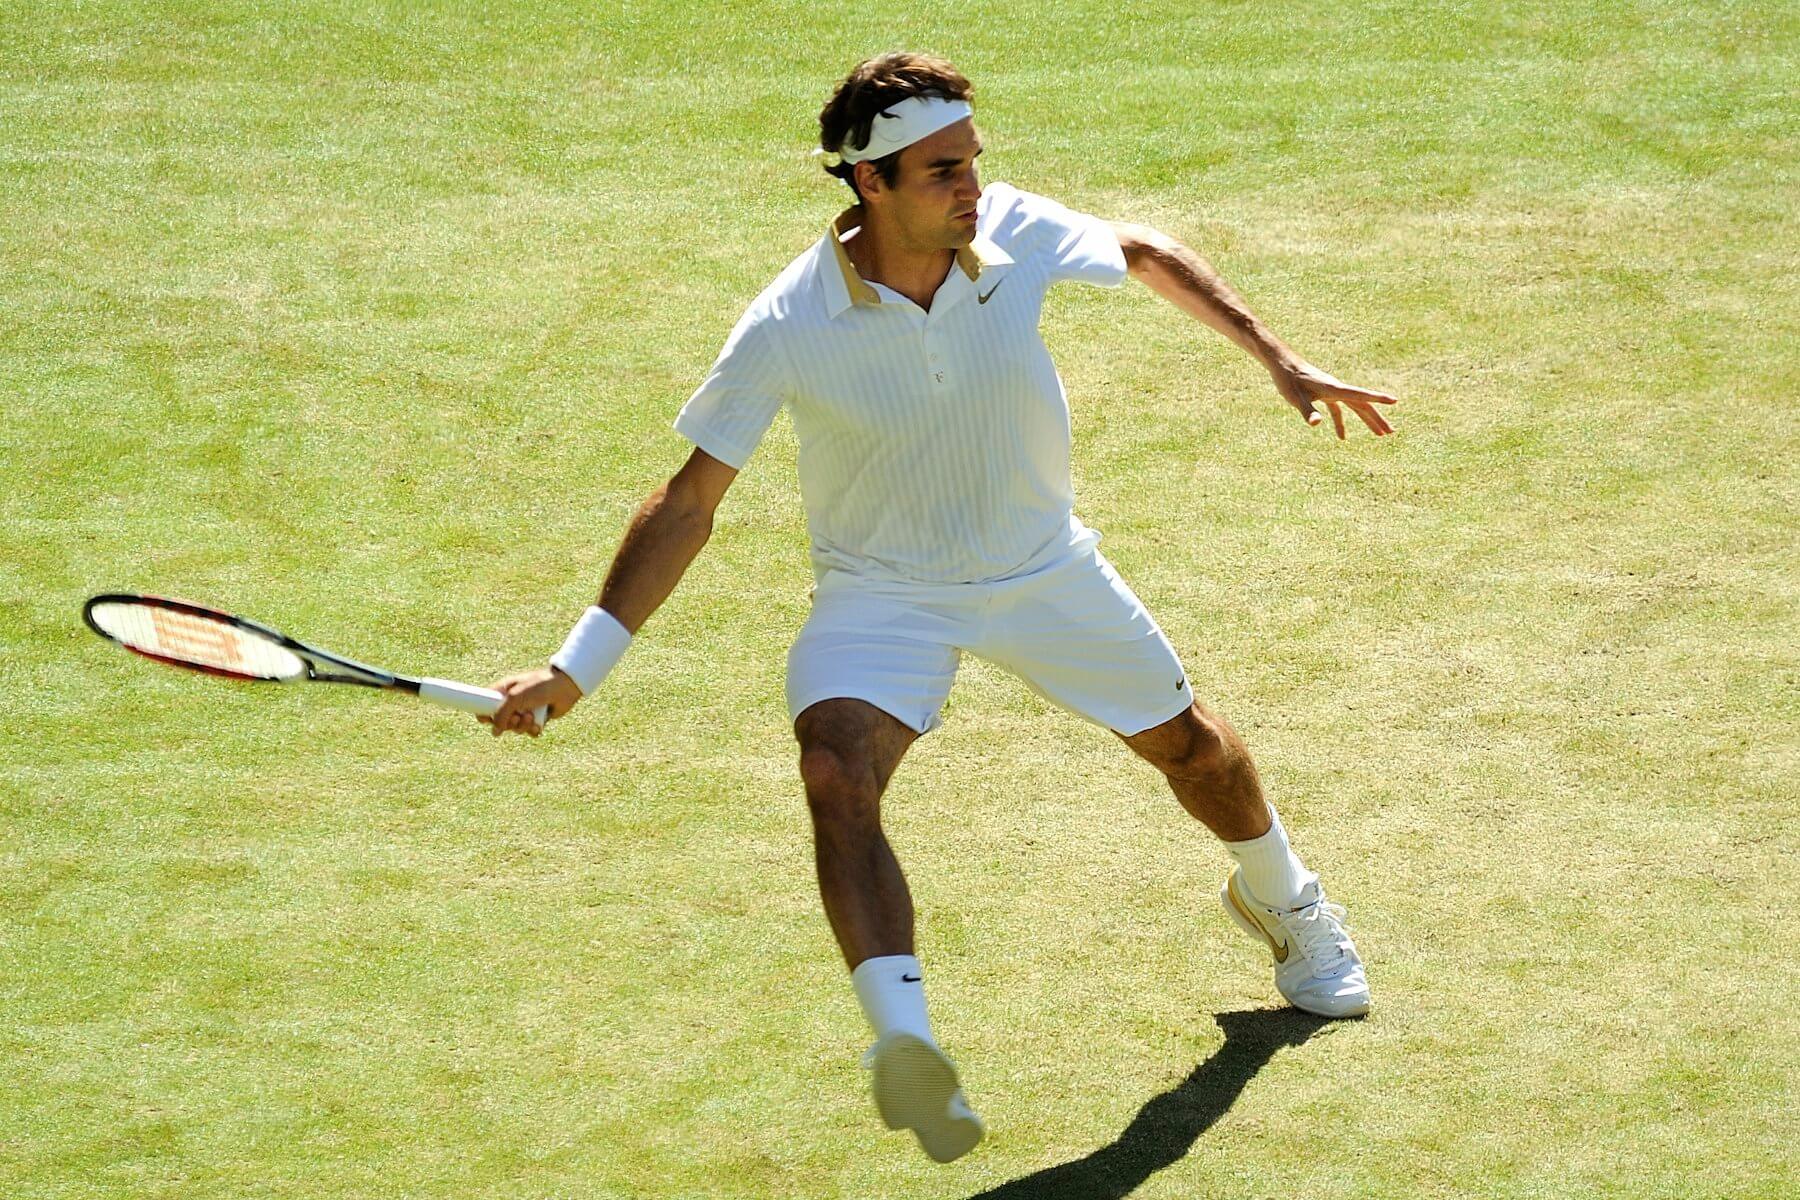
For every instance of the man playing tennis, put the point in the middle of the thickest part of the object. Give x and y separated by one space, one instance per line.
934 466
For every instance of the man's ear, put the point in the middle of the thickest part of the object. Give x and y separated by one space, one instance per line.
868 179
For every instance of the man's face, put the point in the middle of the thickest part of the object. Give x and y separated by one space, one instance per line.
932 199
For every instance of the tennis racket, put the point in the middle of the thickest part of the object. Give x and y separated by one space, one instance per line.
205 639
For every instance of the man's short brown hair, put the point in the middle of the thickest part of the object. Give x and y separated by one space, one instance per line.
874 85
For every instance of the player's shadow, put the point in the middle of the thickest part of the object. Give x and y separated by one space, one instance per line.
1167 1127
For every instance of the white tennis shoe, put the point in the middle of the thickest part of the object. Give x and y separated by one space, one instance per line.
916 1089
1316 965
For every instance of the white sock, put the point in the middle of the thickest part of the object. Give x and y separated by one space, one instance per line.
1272 872
892 994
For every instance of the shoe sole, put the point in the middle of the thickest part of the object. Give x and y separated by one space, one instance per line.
914 1084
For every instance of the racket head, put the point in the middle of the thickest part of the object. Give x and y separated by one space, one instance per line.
194 636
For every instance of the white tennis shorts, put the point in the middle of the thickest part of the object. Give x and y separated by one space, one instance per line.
1071 629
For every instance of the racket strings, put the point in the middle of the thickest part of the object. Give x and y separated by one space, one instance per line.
196 640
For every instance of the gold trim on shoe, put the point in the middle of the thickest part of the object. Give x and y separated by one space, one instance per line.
1280 949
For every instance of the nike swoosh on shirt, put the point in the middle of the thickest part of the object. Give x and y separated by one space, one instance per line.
983 299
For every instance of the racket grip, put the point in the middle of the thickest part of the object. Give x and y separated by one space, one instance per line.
483 702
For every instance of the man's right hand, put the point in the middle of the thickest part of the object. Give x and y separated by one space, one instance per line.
524 694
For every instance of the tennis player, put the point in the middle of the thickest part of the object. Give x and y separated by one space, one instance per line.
934 466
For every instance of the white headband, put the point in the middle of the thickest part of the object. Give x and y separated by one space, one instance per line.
900 125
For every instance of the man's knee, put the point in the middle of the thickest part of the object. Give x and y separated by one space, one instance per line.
1194 745
836 779
848 749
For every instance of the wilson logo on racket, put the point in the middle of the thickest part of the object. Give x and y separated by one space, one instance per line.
185 637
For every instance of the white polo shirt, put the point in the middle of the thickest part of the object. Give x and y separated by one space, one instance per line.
934 446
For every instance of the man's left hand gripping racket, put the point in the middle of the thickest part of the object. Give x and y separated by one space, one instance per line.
204 639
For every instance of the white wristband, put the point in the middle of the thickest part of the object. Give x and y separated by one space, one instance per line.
593 648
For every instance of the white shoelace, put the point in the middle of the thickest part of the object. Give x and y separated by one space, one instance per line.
1319 931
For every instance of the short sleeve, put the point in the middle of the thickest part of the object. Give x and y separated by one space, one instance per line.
1083 248
731 409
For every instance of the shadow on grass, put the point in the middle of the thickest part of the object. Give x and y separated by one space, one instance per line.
1167 1127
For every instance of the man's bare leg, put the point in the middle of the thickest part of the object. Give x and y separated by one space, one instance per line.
848 752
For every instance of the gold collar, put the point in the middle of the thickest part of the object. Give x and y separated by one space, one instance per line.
980 254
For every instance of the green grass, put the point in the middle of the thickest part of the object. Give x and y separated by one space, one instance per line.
369 321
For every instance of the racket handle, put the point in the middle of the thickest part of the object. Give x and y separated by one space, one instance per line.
483 702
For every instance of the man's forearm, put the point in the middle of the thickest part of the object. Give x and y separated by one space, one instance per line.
664 536
1179 275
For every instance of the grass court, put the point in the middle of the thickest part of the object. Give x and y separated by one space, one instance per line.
368 321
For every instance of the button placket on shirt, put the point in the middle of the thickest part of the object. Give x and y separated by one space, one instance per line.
934 361
934 355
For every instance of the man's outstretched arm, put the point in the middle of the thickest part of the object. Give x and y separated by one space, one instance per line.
664 536
1179 275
